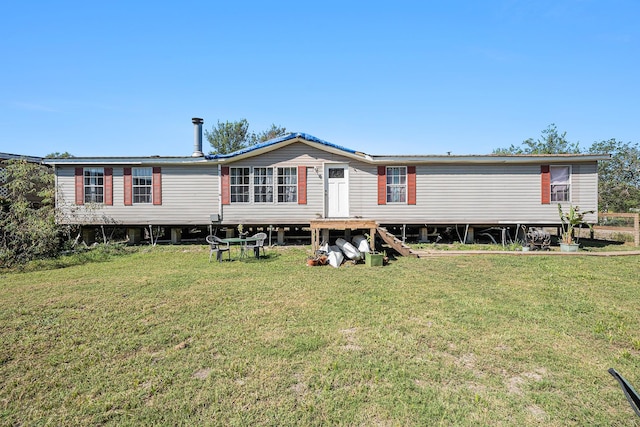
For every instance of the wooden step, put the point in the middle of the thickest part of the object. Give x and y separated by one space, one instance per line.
395 243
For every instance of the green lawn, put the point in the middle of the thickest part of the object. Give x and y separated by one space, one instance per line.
158 336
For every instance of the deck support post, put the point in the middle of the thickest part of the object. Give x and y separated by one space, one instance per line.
320 229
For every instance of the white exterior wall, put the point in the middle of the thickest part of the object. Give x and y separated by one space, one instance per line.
189 197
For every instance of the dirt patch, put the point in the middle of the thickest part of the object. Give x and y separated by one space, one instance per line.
202 374
537 412
514 384
350 336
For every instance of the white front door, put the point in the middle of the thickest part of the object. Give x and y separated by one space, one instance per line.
336 184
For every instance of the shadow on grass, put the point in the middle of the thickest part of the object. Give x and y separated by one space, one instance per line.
98 253
593 243
266 258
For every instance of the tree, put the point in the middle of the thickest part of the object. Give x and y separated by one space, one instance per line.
27 217
228 137
271 133
59 155
618 178
551 142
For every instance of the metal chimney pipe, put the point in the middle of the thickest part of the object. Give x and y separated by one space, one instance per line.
197 137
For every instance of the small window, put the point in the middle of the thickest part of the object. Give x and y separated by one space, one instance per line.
263 185
287 185
142 185
239 183
336 173
94 185
560 183
397 184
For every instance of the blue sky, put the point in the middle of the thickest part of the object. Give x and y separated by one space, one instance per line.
124 78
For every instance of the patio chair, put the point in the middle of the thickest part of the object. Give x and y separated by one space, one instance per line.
259 243
632 396
218 246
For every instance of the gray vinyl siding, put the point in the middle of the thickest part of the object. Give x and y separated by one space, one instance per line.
473 194
487 194
446 194
293 155
189 197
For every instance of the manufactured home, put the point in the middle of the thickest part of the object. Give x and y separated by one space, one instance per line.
296 179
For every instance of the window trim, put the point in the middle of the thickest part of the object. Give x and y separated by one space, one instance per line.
93 174
255 185
148 185
233 186
404 186
568 184
293 185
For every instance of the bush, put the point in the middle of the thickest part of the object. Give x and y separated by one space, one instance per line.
27 216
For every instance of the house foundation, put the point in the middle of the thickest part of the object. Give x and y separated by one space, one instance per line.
135 235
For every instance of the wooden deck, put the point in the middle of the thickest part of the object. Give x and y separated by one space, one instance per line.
317 225
396 243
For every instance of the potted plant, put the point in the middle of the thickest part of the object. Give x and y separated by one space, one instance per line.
571 220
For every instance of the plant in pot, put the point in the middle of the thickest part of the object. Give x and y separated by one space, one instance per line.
571 220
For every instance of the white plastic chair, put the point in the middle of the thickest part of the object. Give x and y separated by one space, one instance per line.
259 243
218 246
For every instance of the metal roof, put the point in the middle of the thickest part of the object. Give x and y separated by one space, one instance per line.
150 160
274 143
8 156
278 140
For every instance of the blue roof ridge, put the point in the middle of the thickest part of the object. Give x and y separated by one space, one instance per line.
287 137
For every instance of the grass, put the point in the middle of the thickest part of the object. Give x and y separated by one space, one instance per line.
161 337
588 245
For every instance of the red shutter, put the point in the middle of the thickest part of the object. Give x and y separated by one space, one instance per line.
79 186
157 185
108 186
382 185
302 185
545 184
224 170
128 184
411 185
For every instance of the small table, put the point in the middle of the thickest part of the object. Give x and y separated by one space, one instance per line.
242 241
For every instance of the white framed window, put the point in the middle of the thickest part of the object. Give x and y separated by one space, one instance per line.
262 185
94 185
287 180
239 185
142 185
560 177
396 184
